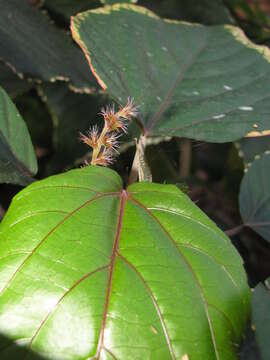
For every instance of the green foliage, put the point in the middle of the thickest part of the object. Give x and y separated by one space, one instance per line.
49 55
254 196
17 157
96 260
205 83
261 317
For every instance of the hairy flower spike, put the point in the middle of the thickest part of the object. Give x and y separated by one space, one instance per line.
128 111
91 139
106 142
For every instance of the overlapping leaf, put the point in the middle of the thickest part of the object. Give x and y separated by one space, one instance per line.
207 83
254 197
11 82
17 157
34 46
89 270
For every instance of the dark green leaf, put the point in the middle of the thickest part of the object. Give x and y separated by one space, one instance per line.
252 146
34 46
11 82
67 8
254 198
17 158
207 12
71 113
89 270
261 318
206 83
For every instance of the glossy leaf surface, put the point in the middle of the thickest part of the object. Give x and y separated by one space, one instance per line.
206 83
254 197
36 48
17 158
89 270
261 317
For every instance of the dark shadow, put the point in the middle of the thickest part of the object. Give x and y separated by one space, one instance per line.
10 350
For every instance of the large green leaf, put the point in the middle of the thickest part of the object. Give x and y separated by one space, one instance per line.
17 158
261 318
34 46
254 197
89 270
206 83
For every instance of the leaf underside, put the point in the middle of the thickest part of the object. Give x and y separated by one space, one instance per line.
254 197
205 83
89 270
17 158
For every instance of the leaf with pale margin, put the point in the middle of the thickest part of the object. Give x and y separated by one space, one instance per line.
254 197
91 270
261 317
11 82
37 49
252 146
205 83
17 158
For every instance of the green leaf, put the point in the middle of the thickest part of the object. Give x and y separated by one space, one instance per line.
17 158
207 12
34 46
254 197
10 81
261 318
252 146
205 83
91 270
72 113
67 8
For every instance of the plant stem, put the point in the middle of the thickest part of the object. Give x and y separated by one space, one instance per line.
234 231
185 158
96 150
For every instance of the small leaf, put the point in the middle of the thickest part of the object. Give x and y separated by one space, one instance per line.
35 48
261 318
254 197
205 83
17 158
85 266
